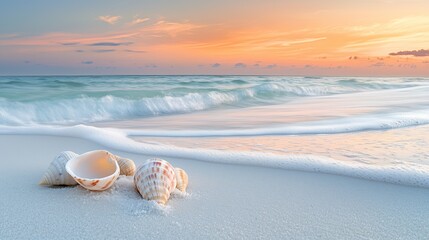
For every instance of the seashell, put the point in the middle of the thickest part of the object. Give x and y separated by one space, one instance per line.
181 179
56 173
155 180
127 166
95 170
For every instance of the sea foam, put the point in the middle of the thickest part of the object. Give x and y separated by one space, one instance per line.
369 122
402 173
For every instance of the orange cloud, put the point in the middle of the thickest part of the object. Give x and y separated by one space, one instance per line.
323 47
320 45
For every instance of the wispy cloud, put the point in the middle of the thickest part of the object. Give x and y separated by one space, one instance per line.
104 50
216 65
96 51
240 65
297 41
271 66
109 19
87 62
138 20
261 40
50 39
69 43
134 51
110 44
390 35
334 43
415 53
159 33
8 36
170 28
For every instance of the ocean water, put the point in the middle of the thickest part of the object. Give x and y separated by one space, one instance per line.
373 128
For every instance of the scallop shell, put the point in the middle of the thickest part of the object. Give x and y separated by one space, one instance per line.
56 173
155 180
95 170
126 166
181 179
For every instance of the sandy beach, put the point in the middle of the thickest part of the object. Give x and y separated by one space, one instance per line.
224 201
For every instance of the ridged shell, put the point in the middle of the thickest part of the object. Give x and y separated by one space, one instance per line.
96 170
56 173
126 165
181 179
155 180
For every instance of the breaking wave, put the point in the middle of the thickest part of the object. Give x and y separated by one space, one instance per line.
91 109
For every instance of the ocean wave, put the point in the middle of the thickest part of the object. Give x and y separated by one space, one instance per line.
205 82
401 173
71 100
90 109
332 126
42 83
13 83
69 83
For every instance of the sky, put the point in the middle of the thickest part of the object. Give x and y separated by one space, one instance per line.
267 37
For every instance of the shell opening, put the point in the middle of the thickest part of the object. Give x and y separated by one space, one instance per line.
97 164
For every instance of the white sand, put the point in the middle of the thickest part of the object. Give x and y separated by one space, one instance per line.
224 201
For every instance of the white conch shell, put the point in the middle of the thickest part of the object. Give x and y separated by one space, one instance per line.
57 174
95 170
127 166
155 180
181 179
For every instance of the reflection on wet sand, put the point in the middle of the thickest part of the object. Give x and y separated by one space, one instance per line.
373 147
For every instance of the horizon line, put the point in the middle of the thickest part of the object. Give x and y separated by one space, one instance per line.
219 75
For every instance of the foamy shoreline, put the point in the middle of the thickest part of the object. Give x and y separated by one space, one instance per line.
225 201
411 174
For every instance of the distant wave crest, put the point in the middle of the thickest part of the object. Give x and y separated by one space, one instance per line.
90 100
91 109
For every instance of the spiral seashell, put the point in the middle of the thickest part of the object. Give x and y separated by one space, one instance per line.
95 170
56 173
127 166
155 180
181 179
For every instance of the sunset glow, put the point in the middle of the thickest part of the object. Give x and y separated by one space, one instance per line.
378 37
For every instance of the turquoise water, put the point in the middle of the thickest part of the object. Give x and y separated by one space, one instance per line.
85 99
